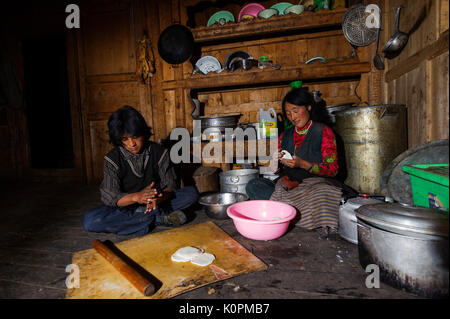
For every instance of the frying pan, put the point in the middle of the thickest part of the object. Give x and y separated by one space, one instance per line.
176 44
398 40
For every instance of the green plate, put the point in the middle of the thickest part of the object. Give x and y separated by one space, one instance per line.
226 15
281 6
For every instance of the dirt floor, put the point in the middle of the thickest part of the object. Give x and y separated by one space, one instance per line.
41 229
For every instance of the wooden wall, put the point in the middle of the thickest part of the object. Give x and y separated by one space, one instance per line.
104 63
418 77
107 54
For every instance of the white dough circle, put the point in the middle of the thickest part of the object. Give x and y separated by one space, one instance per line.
186 254
177 258
203 259
287 155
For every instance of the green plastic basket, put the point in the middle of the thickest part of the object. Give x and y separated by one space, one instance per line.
429 184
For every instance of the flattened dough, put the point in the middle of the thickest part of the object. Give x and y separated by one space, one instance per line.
287 155
177 258
203 259
186 254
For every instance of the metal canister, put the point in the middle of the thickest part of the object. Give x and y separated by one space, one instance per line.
234 181
372 137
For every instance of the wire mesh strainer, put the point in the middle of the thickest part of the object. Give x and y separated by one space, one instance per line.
355 26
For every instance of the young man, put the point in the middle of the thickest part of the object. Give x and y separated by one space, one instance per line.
139 184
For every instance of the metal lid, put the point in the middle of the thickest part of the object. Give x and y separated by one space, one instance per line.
404 219
357 202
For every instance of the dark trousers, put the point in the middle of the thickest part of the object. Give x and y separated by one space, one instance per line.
132 220
260 188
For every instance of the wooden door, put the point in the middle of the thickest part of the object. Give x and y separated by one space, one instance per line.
107 53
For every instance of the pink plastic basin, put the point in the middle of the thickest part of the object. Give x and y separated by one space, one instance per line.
261 219
251 9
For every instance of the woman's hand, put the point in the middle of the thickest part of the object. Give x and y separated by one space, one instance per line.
296 162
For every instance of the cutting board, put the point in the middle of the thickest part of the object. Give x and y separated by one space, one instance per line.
99 279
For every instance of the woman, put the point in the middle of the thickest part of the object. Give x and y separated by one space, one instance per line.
304 180
139 185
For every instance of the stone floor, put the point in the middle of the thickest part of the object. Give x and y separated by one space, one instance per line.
41 229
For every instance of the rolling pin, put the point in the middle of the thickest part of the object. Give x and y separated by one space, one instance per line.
141 282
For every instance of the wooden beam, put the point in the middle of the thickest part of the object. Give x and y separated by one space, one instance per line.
427 53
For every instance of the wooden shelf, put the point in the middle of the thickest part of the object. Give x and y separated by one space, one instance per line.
316 70
273 25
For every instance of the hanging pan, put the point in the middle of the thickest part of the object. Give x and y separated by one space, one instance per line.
176 44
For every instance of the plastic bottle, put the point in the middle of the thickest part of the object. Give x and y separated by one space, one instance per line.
267 120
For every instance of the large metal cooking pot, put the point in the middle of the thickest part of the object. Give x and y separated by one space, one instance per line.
330 110
408 244
234 181
372 136
221 122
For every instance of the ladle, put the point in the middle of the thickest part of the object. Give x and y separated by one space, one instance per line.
397 42
377 59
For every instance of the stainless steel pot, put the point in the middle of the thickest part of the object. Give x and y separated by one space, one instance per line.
221 122
234 181
409 245
347 217
216 204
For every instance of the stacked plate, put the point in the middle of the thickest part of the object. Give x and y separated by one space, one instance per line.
221 17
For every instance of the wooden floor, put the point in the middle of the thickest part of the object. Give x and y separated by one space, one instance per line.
41 229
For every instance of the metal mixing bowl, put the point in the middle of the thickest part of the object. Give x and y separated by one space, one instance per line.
216 204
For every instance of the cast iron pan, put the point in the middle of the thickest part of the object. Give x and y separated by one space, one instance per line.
176 44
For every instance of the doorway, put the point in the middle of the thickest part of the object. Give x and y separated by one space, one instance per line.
48 103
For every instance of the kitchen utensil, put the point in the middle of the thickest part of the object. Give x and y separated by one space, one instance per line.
232 55
98 279
281 6
221 121
144 282
251 9
240 63
408 244
208 64
221 17
398 40
216 204
296 9
377 59
176 44
317 58
347 217
235 181
355 28
267 13
269 219
395 182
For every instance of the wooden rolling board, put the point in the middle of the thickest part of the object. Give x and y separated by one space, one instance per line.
99 279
